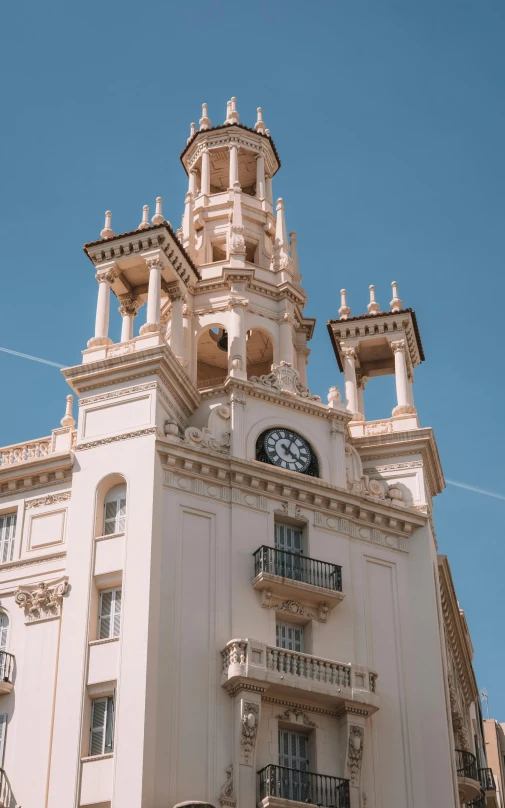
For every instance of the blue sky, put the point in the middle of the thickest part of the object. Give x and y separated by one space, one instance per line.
390 123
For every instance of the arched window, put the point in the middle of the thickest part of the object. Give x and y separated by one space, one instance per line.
115 510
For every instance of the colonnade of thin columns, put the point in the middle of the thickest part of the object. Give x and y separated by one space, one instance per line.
354 388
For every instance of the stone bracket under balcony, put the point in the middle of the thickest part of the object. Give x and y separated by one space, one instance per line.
296 675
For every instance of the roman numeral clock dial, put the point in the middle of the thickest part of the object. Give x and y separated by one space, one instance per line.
287 450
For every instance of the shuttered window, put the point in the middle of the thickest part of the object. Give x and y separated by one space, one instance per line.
7 531
102 726
115 511
109 614
288 563
289 636
294 758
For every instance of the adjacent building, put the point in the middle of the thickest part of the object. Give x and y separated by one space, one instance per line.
215 586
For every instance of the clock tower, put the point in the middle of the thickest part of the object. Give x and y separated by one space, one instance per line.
237 602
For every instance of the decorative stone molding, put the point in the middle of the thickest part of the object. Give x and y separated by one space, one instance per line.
152 430
23 452
379 428
370 534
50 499
294 607
348 351
290 509
355 753
285 379
227 796
109 275
250 721
121 349
216 435
357 482
129 305
296 716
138 388
398 345
334 395
174 291
42 602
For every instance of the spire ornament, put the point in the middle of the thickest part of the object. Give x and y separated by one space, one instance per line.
67 419
158 216
107 231
280 256
144 224
344 310
259 126
396 304
204 120
373 306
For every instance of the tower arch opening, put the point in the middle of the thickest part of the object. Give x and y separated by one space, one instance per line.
212 356
260 352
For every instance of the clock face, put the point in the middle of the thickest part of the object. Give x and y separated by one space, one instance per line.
287 450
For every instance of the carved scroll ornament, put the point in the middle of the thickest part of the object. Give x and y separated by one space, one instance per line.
42 602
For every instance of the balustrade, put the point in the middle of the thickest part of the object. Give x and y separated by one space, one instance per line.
23 452
308 667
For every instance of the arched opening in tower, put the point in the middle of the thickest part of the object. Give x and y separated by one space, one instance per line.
212 357
260 352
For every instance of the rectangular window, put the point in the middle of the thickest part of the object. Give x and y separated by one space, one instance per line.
288 540
115 515
7 531
109 614
289 636
294 758
102 726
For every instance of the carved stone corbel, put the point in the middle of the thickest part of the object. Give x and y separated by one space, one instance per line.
42 601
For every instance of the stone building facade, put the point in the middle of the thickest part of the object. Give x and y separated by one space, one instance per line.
215 586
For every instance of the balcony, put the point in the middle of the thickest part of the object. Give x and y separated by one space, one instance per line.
278 784
300 675
6 672
468 777
488 785
6 795
293 576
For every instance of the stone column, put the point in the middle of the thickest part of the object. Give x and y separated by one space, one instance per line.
104 278
337 456
237 404
152 323
402 383
260 177
269 191
187 339
233 165
176 321
205 189
286 338
303 358
237 351
128 311
361 389
351 386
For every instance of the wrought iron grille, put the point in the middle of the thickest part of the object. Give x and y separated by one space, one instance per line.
487 780
466 764
300 786
298 568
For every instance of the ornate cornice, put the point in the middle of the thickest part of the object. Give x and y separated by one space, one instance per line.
139 433
456 632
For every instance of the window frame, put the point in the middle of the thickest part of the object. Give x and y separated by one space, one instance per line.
107 727
118 519
290 627
8 540
114 615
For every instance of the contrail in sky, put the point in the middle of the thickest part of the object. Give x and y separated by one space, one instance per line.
33 358
475 489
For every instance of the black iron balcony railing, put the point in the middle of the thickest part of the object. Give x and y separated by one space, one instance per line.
466 764
6 667
478 802
487 780
298 568
300 786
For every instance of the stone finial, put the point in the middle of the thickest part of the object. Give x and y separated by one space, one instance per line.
259 126
158 216
67 419
145 218
107 231
293 249
373 306
267 132
334 397
344 310
396 304
204 120
234 114
192 131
